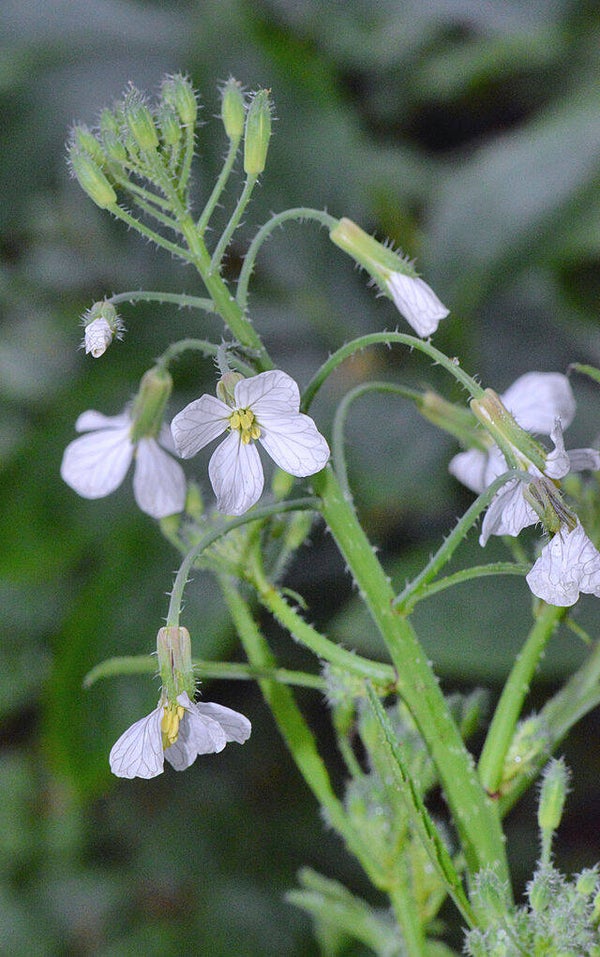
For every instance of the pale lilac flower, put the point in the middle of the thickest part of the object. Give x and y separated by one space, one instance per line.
543 403
178 732
417 302
264 408
95 464
568 564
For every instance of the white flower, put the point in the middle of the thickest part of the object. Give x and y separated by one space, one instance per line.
541 402
264 408
178 732
568 564
94 465
417 302
98 336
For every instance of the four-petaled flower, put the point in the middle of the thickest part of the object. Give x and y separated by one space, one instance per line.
178 731
95 464
543 403
417 302
264 408
568 564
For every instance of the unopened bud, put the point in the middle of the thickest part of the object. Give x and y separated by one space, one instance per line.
519 448
86 142
553 793
92 180
257 133
233 109
140 122
454 419
169 124
102 324
226 387
178 92
174 652
149 406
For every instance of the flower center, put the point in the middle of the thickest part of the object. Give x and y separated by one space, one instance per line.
169 726
244 421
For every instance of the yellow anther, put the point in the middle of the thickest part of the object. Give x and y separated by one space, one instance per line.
244 422
169 725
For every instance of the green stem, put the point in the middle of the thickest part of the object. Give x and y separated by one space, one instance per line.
219 670
411 594
298 213
203 346
217 256
469 574
513 695
293 727
219 186
179 299
321 646
173 248
339 422
474 814
388 338
188 156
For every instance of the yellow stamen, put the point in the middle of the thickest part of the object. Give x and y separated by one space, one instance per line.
169 726
244 422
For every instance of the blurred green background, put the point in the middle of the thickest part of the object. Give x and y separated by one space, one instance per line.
467 132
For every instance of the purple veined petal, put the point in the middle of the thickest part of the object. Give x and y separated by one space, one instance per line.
138 753
198 424
417 302
235 725
94 465
91 420
508 514
537 399
273 392
197 735
159 483
294 443
568 564
236 475
582 459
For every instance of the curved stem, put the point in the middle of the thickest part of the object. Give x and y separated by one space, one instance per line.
298 213
409 596
173 248
388 338
179 299
300 504
339 422
468 574
203 346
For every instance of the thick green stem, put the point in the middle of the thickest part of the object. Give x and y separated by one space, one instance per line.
475 817
515 690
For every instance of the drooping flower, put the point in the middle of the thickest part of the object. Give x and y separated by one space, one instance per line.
417 302
568 564
95 464
540 402
178 731
264 408
101 326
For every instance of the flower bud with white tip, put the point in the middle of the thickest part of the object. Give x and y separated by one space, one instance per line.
101 326
233 109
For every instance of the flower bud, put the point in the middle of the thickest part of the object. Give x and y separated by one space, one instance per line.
233 109
226 387
178 92
454 419
552 795
102 324
85 142
395 276
149 406
140 122
174 651
257 133
519 448
92 180
168 122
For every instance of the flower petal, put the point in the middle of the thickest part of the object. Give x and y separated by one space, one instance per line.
92 420
537 399
558 462
159 483
470 468
235 725
138 753
582 459
568 564
509 513
198 734
273 392
236 475
294 443
417 302
198 424
94 465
